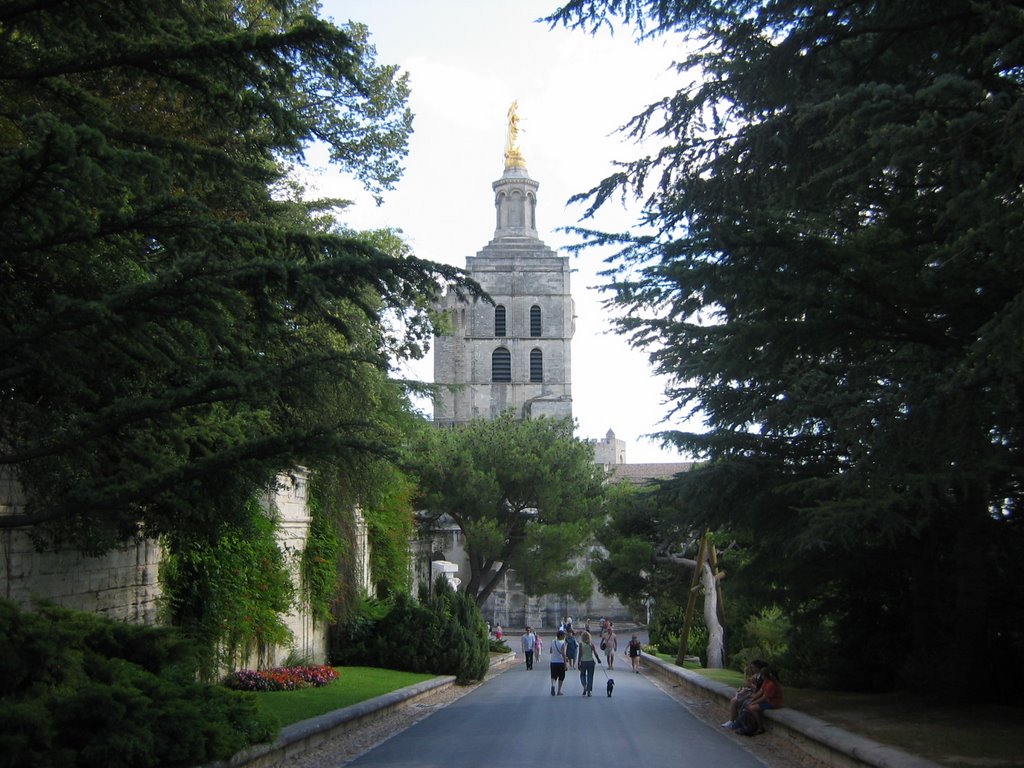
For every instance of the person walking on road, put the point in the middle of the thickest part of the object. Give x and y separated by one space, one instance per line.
572 646
589 658
559 659
610 645
529 639
634 649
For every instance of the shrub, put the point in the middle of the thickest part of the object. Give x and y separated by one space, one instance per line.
81 691
766 636
443 635
354 642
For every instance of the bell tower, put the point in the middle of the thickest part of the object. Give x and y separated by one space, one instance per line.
515 353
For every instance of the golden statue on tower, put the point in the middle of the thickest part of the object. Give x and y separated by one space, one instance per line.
513 155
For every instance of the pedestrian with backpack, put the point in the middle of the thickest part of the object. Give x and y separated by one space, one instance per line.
558 662
572 647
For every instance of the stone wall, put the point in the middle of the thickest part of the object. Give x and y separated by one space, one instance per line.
121 584
124 584
290 498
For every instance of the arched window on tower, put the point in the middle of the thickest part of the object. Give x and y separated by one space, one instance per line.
516 210
536 365
535 326
501 365
499 320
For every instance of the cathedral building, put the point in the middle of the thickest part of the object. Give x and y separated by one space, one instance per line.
515 353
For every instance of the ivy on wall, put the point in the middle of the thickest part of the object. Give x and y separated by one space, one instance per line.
383 493
390 528
231 591
326 564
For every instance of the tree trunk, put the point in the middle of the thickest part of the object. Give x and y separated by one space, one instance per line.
716 634
488 588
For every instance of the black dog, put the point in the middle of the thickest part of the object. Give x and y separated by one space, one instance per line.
610 686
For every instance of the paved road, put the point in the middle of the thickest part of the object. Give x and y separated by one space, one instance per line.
513 720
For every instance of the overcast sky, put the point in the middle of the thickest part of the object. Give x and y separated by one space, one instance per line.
468 61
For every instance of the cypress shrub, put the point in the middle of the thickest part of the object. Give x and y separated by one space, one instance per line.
77 691
444 634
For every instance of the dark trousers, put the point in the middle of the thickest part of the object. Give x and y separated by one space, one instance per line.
529 659
587 675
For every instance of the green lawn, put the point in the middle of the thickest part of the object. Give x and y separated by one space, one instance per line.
354 684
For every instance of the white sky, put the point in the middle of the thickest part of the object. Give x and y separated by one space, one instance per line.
468 60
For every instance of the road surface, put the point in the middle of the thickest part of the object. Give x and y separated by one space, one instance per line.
513 720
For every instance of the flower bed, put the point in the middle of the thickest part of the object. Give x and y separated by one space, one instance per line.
280 678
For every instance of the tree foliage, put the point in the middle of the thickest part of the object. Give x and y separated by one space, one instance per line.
172 315
442 633
525 494
830 275
80 690
230 595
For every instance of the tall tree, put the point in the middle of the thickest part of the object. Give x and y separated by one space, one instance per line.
831 275
525 494
169 312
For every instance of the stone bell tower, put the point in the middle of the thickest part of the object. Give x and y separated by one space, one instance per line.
515 353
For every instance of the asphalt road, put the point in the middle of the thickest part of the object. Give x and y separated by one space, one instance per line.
513 720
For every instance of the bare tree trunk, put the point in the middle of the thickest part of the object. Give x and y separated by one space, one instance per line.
716 634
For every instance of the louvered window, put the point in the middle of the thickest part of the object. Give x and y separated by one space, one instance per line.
501 365
535 327
499 320
536 365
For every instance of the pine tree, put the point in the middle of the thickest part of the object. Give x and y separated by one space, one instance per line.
171 314
525 494
830 274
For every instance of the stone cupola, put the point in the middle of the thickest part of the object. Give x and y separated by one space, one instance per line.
515 193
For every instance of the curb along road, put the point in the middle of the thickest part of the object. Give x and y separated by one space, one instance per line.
832 746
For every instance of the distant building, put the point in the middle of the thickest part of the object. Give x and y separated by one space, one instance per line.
640 474
514 354
610 451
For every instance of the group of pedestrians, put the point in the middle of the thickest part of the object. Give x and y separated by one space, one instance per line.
761 689
532 646
585 652
569 652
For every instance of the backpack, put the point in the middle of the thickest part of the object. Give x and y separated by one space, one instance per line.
745 724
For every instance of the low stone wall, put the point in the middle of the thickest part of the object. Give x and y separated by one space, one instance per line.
296 739
833 746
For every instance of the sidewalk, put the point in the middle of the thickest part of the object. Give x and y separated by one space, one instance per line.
832 746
